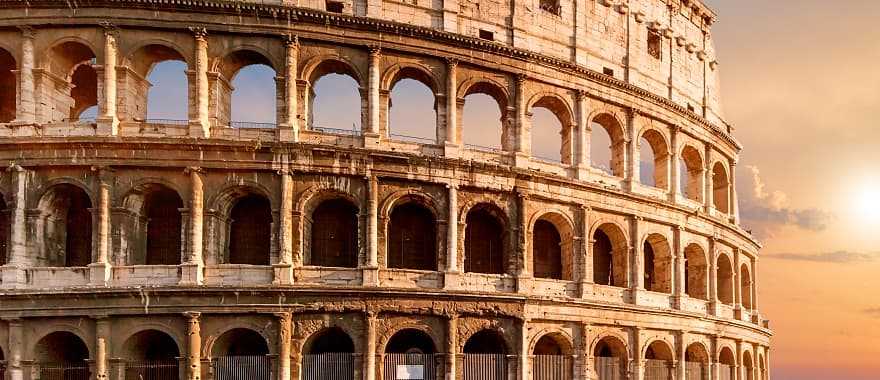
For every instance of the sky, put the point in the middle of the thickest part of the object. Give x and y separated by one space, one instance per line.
800 84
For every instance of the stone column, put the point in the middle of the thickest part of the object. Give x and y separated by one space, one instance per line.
523 267
193 346
582 151
453 134
734 204
12 273
371 133
713 276
284 344
522 145
289 125
450 279
708 181
100 270
371 320
108 122
636 267
102 341
451 347
586 265
15 349
631 161
26 112
193 262
523 365
371 267
674 165
681 354
583 353
284 268
200 126
638 363
737 284
754 262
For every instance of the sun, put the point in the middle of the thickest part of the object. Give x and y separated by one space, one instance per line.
867 203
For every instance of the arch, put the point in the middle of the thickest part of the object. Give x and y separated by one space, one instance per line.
657 263
725 279
410 341
331 347
721 188
475 131
64 226
748 366
240 341
418 99
73 60
250 230
158 96
485 248
544 143
615 153
610 355
553 343
326 111
412 234
156 221
659 349
252 96
762 367
553 246
8 84
321 65
696 352
152 354
142 57
654 172
333 228
696 270
486 341
329 340
745 283
61 354
726 357
691 173
406 70
609 250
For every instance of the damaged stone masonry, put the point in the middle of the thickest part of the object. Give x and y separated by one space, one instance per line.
205 248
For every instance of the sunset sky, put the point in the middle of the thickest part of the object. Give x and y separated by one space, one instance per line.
801 85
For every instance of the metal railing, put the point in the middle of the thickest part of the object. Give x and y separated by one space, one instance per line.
166 121
80 120
483 148
63 371
608 368
696 371
725 372
413 139
484 367
330 366
552 367
410 366
549 160
658 370
152 370
252 125
337 131
251 367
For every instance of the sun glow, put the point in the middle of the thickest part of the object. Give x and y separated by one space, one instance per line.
867 203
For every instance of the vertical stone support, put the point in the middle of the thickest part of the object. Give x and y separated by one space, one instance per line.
674 164
289 125
637 362
371 134
582 360
102 341
453 134
586 254
193 262
193 346
108 121
714 359
713 276
12 274
740 353
523 134
26 112
678 291
680 355
100 270
452 270
371 321
284 343
582 148
524 357
451 347
523 267
636 267
371 267
631 161
733 205
737 284
708 181
284 267
15 349
200 126
754 262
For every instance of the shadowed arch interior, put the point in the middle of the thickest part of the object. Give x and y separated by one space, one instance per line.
151 354
611 158
164 226
8 84
74 62
331 340
334 234
696 272
657 261
745 283
412 238
484 240
160 95
66 226
61 347
725 280
691 174
410 341
721 188
546 250
609 256
250 230
240 342
486 342
610 358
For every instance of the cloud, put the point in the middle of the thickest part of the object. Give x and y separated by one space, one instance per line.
765 212
836 257
873 312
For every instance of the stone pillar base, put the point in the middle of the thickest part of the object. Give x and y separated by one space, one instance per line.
283 274
100 274
584 289
581 172
191 274
287 134
523 284
370 276
713 308
451 150
12 277
107 126
199 129
677 302
451 280
372 140
521 160
23 128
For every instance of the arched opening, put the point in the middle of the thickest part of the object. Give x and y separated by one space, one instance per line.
74 62
8 84
412 237
162 98
607 146
654 160
485 356
483 113
546 250
691 174
412 350
334 232
609 250
151 354
725 280
726 365
748 366
410 341
335 102
251 93
484 240
552 358
5 230
762 368
84 92
696 272
62 355
721 188
329 355
551 125
696 362
162 208
657 259
659 361
66 225
241 354
745 283
611 359
250 230
410 101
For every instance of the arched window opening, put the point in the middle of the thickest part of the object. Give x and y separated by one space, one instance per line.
5 228
61 355
725 280
412 237
551 130
66 221
411 342
696 362
164 96
241 354
85 90
486 342
607 146
691 174
653 160
329 355
552 359
254 100
485 356
74 62
658 361
547 250
8 84
762 368
483 114
250 231
721 187
609 257
696 272
334 231
726 364
484 241
151 354
335 98
745 279
240 342
331 340
748 366
409 104
611 359
657 264
162 208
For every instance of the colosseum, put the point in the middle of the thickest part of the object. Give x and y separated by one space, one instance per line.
140 248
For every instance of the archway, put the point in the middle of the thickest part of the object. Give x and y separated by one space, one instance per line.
252 96
696 362
608 146
654 160
745 283
696 272
552 358
163 97
412 236
410 351
151 355
411 99
334 234
726 365
65 223
153 221
721 188
8 84
691 174
658 361
329 355
74 62
657 261
241 353
485 356
551 130
483 115
748 366
250 230
725 280
335 98
484 240
609 251
546 250
611 359
62 355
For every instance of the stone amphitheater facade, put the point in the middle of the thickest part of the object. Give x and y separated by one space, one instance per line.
160 249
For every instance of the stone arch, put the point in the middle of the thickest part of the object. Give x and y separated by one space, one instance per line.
142 56
72 59
548 340
244 58
696 272
64 327
556 262
720 188
611 358
332 339
427 84
659 165
745 284
332 228
609 248
725 278
616 130
562 110
658 349
696 352
657 263
408 214
142 59
8 84
486 341
64 225
415 71
245 224
142 344
499 93
727 363
239 341
485 248
410 339
691 173
316 68
61 354
153 224
238 57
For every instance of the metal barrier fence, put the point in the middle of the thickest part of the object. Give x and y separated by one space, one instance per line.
337 131
552 367
331 366
696 371
251 124
63 371
410 366
166 121
484 367
725 372
608 368
152 370
413 139
252 367
658 370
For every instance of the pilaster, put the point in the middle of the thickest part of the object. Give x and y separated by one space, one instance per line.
284 268
371 135
100 271
193 346
26 110
371 267
288 127
108 121
200 126
193 263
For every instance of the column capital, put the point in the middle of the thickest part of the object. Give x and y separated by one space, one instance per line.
521 78
291 41
374 50
193 170
28 31
192 316
580 94
199 33
283 315
104 173
451 61
13 167
110 30
284 171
